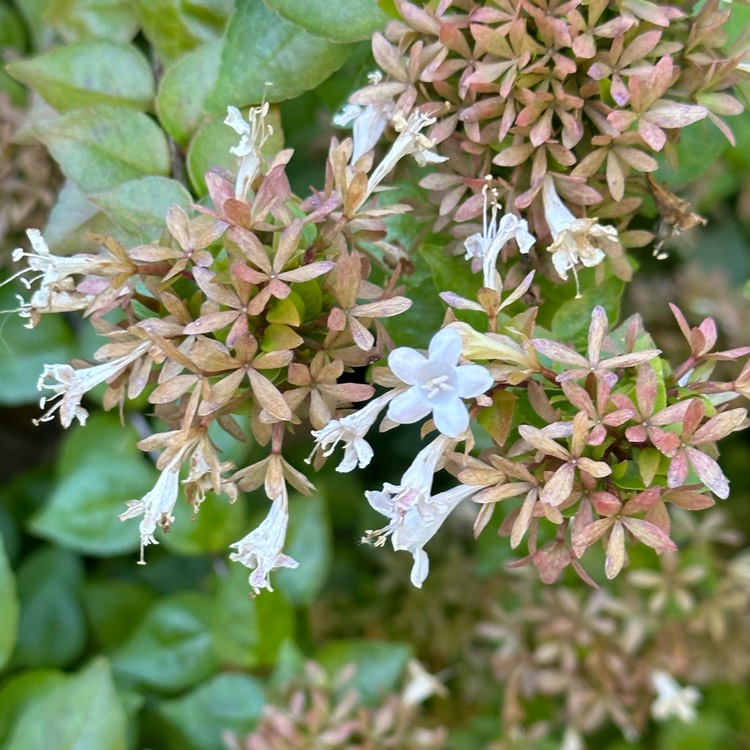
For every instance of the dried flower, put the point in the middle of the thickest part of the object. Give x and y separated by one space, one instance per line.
438 383
253 134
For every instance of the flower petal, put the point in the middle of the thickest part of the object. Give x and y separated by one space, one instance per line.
473 380
409 407
451 417
406 363
445 347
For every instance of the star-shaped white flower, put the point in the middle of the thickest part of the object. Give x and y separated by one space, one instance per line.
673 700
438 383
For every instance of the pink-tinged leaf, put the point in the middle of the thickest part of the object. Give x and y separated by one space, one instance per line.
460 303
622 119
646 388
383 309
689 499
551 561
636 434
251 246
710 334
681 322
630 360
310 271
615 551
675 115
268 396
514 155
693 417
590 534
172 389
559 352
388 58
678 470
666 442
673 414
596 469
653 135
211 356
709 472
720 426
597 332
579 397
485 109
523 519
362 337
650 534
559 487
241 271
618 417
419 19
643 501
542 442
606 504
211 322
482 519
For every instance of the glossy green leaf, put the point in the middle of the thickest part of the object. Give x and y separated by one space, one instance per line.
20 691
697 149
571 321
217 524
379 664
81 513
24 353
87 74
175 27
81 713
101 147
183 90
248 631
8 606
52 627
210 148
231 702
172 649
77 20
261 48
33 12
308 541
139 207
12 33
340 22
114 609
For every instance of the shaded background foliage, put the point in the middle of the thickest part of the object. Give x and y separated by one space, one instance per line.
108 654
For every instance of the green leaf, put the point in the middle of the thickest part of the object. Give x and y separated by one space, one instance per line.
571 322
139 207
172 649
12 33
261 48
309 543
176 27
52 628
114 609
72 218
23 353
82 512
217 524
225 702
83 712
87 74
8 606
183 90
379 664
33 11
20 691
76 20
210 148
101 147
249 631
351 21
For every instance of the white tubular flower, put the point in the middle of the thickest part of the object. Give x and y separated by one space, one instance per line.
253 134
410 141
484 248
438 383
574 240
673 700
70 385
157 505
351 430
368 120
261 549
415 515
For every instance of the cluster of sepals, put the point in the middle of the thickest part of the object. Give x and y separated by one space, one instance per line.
586 93
259 305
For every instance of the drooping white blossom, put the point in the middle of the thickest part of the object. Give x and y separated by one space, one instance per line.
368 121
574 240
415 514
157 505
253 134
410 140
262 549
351 430
70 385
438 383
483 248
673 700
